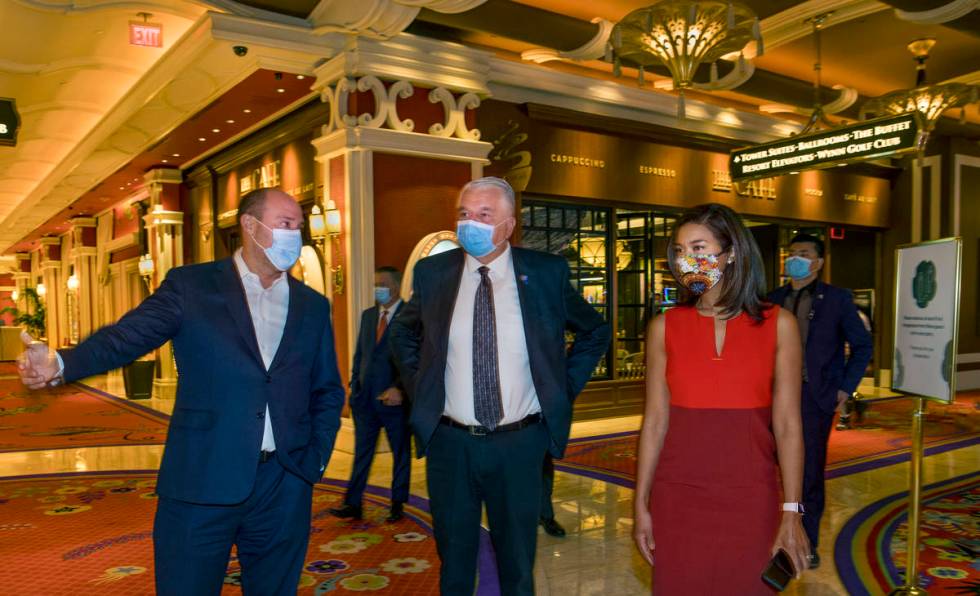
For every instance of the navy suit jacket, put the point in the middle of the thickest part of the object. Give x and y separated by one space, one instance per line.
374 368
549 306
833 320
216 429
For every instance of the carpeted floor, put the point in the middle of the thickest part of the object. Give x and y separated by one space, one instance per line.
91 533
72 416
871 549
881 439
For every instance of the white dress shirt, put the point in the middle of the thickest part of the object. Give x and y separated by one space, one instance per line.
517 392
268 308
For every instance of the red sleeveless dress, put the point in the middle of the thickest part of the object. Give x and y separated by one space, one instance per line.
715 497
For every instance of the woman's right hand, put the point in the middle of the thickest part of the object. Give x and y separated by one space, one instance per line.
643 534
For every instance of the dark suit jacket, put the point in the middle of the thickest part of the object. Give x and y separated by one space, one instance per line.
215 433
549 305
833 321
374 368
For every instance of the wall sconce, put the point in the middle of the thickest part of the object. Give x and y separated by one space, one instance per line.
146 268
72 283
42 290
323 225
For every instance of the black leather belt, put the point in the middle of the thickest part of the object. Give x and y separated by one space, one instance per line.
265 456
479 431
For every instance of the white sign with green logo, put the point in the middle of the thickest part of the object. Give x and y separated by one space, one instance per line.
927 307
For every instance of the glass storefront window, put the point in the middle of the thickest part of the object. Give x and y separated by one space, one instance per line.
582 236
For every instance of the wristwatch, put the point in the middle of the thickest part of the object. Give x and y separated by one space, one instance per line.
794 507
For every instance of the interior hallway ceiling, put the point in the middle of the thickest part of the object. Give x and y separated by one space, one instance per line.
70 67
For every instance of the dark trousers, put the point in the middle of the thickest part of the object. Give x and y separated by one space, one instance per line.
192 542
502 470
816 433
547 487
369 419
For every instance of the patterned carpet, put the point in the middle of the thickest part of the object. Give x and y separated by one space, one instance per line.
871 550
880 440
72 416
90 533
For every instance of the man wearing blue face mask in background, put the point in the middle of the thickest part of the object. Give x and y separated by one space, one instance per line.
257 408
482 351
827 317
377 401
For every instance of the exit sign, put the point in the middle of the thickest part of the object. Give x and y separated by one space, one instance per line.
146 34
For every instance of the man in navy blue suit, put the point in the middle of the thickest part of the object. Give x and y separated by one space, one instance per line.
828 318
377 400
482 350
257 407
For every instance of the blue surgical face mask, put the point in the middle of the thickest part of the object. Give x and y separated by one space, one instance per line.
285 249
382 295
476 237
798 267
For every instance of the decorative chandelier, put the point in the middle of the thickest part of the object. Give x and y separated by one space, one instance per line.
927 101
593 252
682 35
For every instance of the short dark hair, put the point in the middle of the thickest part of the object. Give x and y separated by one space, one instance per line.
743 286
818 244
392 271
253 203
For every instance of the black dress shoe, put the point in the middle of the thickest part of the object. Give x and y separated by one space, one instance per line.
395 514
552 527
346 512
814 561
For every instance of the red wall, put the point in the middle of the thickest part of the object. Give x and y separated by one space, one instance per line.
413 197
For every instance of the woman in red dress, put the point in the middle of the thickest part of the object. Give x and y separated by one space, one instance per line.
722 400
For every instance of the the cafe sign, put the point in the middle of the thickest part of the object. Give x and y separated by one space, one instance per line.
9 122
871 139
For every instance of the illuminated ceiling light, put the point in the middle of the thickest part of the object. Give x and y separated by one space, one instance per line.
122 188
280 90
229 121
202 139
163 161
927 102
247 111
681 35
300 77
175 155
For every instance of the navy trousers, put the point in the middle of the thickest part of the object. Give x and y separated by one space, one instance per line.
503 471
547 487
369 419
192 542
817 424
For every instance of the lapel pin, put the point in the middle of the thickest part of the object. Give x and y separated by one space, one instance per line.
523 279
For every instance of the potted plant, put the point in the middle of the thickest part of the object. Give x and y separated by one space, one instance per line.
33 320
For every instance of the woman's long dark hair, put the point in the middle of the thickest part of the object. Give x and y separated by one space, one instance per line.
743 285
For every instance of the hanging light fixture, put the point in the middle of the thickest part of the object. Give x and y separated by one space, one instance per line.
928 102
682 35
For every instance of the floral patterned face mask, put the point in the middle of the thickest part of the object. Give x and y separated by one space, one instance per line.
699 273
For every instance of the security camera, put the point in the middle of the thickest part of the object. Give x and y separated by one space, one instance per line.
239 50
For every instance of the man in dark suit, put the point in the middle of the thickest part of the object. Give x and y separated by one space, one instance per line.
257 407
828 318
482 350
377 401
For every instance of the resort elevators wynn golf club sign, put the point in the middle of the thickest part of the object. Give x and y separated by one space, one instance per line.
9 122
870 139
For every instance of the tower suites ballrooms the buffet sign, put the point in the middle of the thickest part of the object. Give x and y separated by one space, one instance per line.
870 139
569 163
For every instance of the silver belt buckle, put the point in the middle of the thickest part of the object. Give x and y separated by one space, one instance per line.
478 431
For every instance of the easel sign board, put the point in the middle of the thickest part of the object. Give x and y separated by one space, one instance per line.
927 307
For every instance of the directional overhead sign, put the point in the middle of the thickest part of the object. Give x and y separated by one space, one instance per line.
9 122
870 139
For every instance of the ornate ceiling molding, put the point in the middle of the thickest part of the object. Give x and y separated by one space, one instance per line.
939 15
594 49
380 19
789 25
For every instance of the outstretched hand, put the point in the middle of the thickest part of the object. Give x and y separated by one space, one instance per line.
37 364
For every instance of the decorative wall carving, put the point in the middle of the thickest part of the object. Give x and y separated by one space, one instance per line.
385 114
